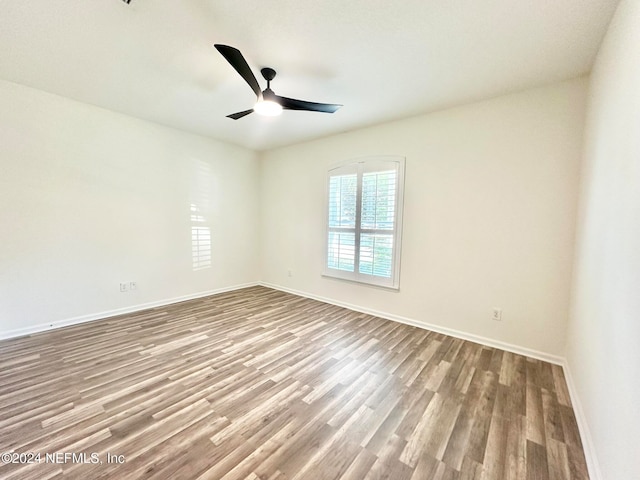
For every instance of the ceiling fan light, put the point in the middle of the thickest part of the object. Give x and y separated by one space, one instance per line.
268 108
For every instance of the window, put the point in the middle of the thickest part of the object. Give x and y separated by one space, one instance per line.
364 221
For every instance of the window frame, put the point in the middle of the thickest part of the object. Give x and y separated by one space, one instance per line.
361 166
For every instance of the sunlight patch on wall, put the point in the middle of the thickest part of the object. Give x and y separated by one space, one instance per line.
200 230
200 241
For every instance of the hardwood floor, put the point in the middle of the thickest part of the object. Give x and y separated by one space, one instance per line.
259 384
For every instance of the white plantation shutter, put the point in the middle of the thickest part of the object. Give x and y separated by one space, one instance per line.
342 221
364 220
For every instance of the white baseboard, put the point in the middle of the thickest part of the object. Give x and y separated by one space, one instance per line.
585 434
43 327
547 357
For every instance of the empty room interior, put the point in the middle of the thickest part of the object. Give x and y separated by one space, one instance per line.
320 240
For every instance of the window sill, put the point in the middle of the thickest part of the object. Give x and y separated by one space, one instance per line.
392 288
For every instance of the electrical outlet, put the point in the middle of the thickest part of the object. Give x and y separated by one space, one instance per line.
289 273
124 287
497 314
133 285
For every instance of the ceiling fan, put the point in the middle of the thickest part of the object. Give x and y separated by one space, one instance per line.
268 103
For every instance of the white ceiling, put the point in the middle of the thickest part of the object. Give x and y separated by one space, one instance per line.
383 60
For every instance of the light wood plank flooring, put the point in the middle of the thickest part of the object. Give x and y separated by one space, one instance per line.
259 384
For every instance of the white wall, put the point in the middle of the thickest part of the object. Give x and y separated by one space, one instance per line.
89 198
604 330
490 204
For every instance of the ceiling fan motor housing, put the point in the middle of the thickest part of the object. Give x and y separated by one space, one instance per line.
268 94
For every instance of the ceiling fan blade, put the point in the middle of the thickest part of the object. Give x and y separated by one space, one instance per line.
293 104
237 61
238 115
